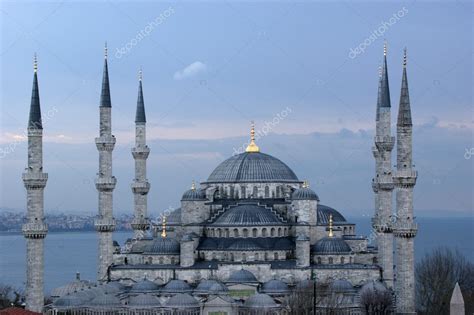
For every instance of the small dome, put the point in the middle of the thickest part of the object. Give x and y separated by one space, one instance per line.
71 287
69 300
145 285
304 193
176 286
275 286
182 300
242 276
252 167
331 245
144 300
260 300
194 194
324 212
163 245
112 287
211 286
106 300
247 215
341 286
373 286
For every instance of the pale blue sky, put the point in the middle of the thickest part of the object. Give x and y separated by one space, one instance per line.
211 67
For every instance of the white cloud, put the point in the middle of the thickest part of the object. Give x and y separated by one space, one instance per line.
190 71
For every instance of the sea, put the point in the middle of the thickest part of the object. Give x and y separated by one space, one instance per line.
69 252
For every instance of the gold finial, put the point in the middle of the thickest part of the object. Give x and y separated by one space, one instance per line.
105 51
405 57
193 185
330 226
305 184
140 74
35 63
252 147
385 48
163 225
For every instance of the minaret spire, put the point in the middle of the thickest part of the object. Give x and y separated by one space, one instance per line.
405 228
105 181
35 229
385 90
140 152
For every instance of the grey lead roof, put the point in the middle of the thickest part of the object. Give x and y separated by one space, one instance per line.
140 116
404 110
252 167
304 193
182 300
385 90
105 94
248 215
34 121
260 300
242 276
324 212
331 245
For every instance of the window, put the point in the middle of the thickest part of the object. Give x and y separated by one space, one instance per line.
272 232
236 233
267 192
242 190
256 256
150 260
342 260
319 260
279 231
226 232
331 261
246 233
244 257
264 232
254 232
275 256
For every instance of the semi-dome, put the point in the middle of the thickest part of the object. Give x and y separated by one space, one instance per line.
341 286
324 212
247 215
194 194
304 193
69 300
71 287
252 167
274 286
145 285
143 300
260 300
176 286
182 300
331 245
163 246
242 276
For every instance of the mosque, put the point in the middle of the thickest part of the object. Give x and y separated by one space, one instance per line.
252 239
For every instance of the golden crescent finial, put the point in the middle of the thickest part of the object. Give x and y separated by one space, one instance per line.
331 234
105 50
252 147
405 57
193 185
35 63
163 225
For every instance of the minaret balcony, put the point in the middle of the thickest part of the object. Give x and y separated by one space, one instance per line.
105 183
104 224
105 143
141 152
35 180
375 186
375 152
384 143
382 225
405 178
140 187
384 182
140 224
36 230
405 229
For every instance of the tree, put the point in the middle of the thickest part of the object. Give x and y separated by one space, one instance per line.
436 275
10 296
376 302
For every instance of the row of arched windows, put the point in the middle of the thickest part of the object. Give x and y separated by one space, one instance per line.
245 232
241 192
334 260
244 257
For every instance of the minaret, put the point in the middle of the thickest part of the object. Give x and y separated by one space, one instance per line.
105 182
140 152
405 228
35 229
383 182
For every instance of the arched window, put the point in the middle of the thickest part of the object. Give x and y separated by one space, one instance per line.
279 231
275 256
150 260
255 192
219 231
331 261
231 256
125 261
172 260
342 260
319 260
264 232
374 260
236 233
256 256
266 256
161 260
231 191
254 232
226 232
267 192
350 260
244 257
272 232
246 233
242 190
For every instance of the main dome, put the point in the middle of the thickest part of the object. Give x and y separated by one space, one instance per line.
252 167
